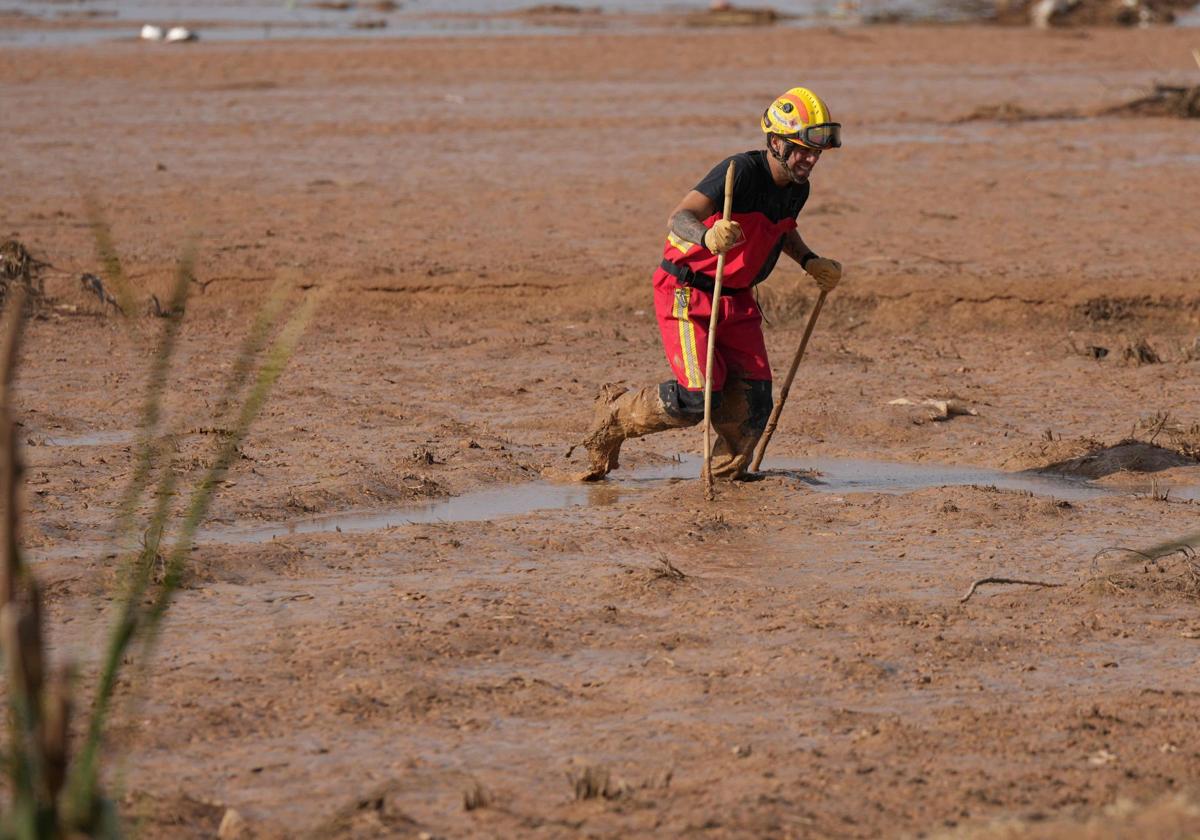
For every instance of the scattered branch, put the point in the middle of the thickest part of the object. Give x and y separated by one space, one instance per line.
666 570
94 285
17 265
1003 580
1103 551
1149 571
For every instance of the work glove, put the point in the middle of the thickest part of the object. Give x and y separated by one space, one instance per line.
722 236
826 272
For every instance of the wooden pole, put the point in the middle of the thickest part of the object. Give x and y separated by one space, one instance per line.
712 341
787 384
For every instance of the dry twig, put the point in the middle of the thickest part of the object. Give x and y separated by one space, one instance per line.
1003 580
667 569
94 285
1180 576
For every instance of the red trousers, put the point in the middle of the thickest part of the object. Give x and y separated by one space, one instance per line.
683 315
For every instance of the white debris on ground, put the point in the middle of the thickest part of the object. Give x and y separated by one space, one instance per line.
942 409
174 35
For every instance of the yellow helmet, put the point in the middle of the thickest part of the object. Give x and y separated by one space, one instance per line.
801 117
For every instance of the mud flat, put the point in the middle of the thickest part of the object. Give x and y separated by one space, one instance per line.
484 215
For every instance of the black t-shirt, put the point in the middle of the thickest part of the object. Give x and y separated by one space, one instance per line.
754 190
759 204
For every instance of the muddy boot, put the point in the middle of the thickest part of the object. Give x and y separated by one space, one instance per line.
620 415
733 449
732 453
739 423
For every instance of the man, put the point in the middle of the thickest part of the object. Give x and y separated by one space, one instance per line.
769 190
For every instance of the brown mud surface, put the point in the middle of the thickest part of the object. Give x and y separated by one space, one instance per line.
483 216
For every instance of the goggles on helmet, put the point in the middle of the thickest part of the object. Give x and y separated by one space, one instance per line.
820 136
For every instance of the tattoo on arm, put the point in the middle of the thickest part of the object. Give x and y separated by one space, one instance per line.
794 247
685 225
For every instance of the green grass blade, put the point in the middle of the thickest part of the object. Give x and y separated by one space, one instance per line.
106 250
134 621
140 567
152 404
277 358
264 324
82 787
137 574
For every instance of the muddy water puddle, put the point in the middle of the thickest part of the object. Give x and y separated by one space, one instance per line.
49 24
824 475
834 476
481 506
